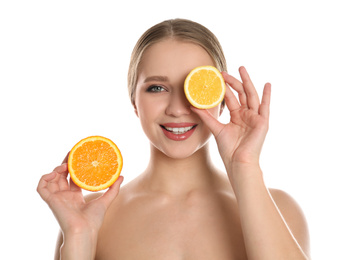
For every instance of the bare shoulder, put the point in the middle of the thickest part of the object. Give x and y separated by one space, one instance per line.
287 205
294 217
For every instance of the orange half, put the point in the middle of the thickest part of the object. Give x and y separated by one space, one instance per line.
95 163
205 87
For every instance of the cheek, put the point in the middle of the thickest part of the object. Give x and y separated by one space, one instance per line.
148 109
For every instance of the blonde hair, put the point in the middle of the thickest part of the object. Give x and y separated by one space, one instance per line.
179 29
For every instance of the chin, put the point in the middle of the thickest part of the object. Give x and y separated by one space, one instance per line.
181 151
178 155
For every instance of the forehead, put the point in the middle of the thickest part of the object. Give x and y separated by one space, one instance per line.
173 58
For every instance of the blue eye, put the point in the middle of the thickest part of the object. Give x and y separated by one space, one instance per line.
155 88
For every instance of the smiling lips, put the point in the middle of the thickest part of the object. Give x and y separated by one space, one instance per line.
178 131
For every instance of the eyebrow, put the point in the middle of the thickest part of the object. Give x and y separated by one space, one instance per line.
156 78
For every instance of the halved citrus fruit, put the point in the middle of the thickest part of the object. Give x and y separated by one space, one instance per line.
95 163
204 87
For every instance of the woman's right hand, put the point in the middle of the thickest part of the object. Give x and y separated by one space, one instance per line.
67 203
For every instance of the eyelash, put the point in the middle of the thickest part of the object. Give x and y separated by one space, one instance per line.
155 89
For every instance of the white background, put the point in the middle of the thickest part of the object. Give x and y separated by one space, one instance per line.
63 68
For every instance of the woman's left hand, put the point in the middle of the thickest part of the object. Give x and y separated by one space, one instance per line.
240 141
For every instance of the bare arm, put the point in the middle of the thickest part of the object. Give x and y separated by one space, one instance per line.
79 220
60 247
294 218
266 232
76 246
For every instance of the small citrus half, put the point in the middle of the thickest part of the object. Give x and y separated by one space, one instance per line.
204 87
95 163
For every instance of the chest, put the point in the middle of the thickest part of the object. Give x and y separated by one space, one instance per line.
192 229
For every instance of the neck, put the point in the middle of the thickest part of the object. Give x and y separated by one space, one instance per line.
179 176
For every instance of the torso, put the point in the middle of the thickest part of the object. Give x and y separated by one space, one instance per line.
202 224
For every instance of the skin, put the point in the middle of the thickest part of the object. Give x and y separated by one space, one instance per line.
181 206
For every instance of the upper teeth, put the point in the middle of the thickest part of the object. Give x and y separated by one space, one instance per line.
179 130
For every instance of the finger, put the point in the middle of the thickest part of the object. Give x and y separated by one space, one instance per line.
53 185
43 183
251 94
231 101
63 182
238 86
73 186
112 192
209 120
45 179
264 109
66 158
62 170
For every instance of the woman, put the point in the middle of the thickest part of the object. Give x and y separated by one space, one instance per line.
181 206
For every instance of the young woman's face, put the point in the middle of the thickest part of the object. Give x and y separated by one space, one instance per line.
160 101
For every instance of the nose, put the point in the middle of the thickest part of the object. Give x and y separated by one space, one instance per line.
178 105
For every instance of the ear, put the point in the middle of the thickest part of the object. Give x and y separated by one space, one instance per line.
135 110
